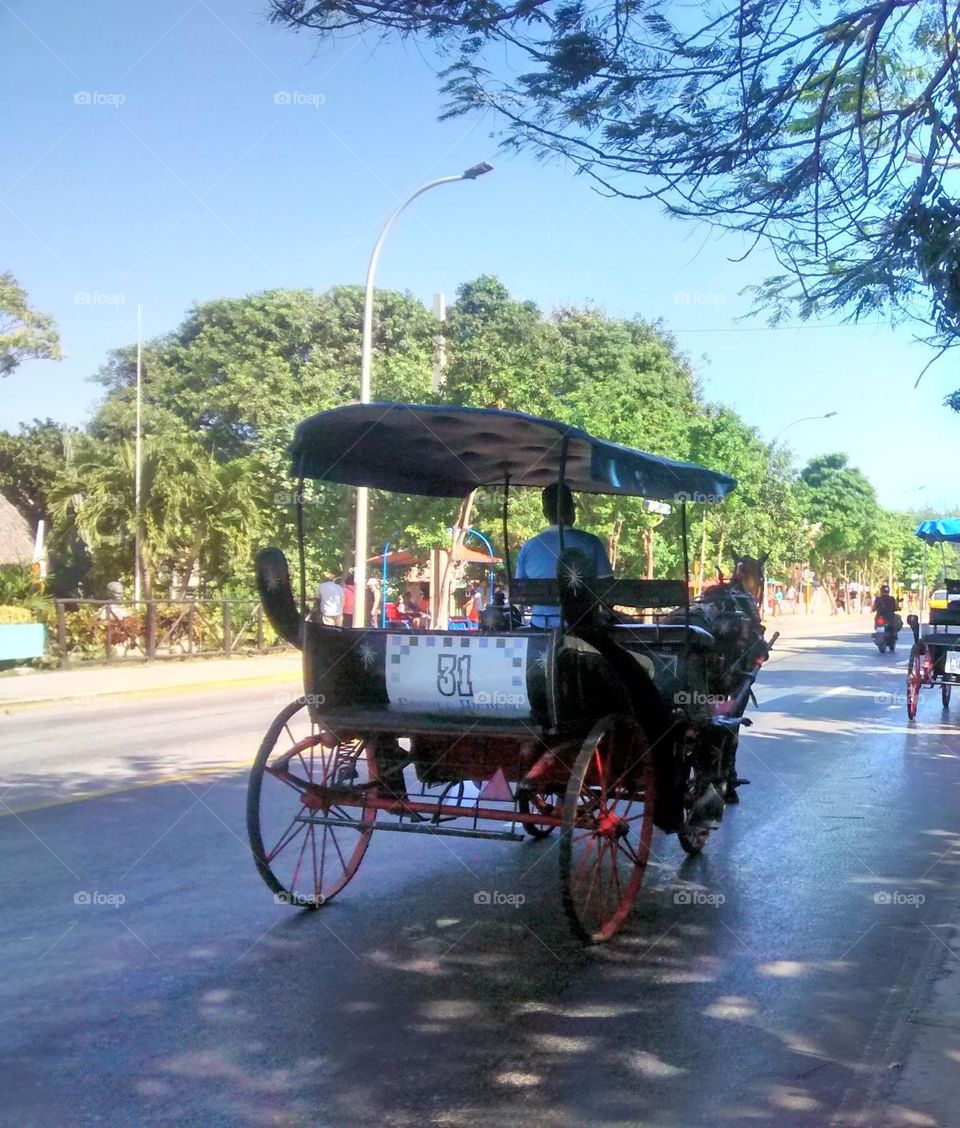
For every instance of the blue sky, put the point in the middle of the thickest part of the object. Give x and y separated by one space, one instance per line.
147 158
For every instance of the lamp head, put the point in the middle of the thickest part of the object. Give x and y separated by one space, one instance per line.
477 170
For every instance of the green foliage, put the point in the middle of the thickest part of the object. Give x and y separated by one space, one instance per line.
847 525
17 589
196 512
827 131
24 332
30 462
223 392
16 583
14 615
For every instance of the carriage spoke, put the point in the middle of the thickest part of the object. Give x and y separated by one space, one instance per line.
303 847
336 846
296 826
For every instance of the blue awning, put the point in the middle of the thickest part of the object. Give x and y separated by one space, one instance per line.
942 529
437 450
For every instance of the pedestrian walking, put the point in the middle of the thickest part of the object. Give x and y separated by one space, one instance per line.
328 603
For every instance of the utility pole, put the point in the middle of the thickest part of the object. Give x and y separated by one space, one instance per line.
137 456
439 343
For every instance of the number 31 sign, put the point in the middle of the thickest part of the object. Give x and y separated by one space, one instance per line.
458 673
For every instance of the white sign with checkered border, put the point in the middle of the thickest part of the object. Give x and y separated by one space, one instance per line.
464 673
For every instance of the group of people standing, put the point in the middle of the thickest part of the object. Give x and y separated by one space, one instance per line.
335 600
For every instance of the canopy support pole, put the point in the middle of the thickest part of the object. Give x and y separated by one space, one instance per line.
301 552
686 587
506 537
561 482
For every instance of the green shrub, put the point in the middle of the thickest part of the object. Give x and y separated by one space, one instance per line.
10 614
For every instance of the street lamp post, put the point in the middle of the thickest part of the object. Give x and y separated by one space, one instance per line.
366 363
804 419
772 444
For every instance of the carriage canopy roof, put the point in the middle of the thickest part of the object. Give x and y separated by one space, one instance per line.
939 530
437 450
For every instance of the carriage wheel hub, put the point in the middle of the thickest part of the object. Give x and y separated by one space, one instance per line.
314 799
610 825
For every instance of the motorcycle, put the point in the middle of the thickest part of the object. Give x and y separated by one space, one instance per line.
886 628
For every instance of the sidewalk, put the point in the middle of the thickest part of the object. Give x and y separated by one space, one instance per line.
79 683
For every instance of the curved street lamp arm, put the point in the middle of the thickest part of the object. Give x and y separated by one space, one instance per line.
805 419
366 348
366 364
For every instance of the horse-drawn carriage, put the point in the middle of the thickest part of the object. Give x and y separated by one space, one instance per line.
598 730
935 654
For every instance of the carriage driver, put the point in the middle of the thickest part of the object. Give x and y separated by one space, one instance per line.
538 557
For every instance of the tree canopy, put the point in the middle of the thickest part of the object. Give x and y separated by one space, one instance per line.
829 130
223 391
24 332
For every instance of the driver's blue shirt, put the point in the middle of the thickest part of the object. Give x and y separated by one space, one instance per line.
538 561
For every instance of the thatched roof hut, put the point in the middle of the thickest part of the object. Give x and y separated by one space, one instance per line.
16 540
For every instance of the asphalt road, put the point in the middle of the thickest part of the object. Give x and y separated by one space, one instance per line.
793 974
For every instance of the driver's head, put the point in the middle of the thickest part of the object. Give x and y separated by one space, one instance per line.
558 507
885 589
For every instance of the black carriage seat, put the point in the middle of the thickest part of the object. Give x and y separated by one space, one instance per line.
940 634
607 592
665 635
636 594
948 616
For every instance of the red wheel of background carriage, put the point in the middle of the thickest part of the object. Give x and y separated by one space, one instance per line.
545 802
607 828
307 862
914 682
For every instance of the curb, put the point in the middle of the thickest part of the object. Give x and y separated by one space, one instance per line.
24 703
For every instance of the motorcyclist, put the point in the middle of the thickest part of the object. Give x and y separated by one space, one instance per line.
885 604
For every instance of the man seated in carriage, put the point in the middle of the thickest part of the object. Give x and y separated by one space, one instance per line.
538 557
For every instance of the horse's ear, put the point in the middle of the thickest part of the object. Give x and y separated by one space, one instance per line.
763 559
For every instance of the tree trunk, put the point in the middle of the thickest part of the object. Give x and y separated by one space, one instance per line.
439 611
613 541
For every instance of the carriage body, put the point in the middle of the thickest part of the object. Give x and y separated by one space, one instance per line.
497 733
935 654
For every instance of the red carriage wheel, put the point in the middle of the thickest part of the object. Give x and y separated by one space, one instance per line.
547 803
607 827
306 846
945 694
914 681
